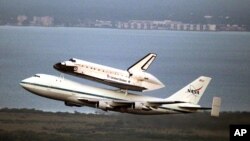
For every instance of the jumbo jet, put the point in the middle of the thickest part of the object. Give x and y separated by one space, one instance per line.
76 94
134 78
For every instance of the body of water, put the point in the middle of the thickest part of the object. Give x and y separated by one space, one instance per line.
182 57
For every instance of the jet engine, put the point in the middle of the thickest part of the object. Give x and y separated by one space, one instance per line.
140 106
104 105
71 104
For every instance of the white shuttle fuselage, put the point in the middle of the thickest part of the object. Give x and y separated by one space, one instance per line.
135 78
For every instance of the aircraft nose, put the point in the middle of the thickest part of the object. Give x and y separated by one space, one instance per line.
24 82
63 67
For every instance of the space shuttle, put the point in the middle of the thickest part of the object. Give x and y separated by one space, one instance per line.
135 78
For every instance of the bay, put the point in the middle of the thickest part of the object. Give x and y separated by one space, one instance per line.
181 58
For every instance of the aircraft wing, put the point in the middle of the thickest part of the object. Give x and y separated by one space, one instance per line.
124 103
163 102
89 100
113 103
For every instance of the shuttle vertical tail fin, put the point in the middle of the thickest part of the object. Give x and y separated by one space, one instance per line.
192 92
143 64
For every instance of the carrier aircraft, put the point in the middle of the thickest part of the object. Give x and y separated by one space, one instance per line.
134 78
76 94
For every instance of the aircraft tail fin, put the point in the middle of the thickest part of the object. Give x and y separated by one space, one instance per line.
192 92
143 64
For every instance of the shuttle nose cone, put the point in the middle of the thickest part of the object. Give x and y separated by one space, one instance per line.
63 67
57 66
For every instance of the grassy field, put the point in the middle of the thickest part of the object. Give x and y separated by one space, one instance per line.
23 124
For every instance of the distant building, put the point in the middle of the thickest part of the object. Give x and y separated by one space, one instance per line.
131 24
211 27
21 19
42 21
164 25
103 24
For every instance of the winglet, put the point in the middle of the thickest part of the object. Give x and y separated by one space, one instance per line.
143 64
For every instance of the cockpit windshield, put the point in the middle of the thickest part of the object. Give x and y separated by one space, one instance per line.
37 75
72 60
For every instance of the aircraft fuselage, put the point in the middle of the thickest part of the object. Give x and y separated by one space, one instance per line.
76 94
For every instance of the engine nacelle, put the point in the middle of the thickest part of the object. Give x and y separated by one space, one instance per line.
139 106
104 105
71 104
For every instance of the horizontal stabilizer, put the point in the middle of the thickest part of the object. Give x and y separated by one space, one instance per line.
195 108
190 106
216 107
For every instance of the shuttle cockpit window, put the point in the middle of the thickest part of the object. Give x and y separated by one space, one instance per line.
72 60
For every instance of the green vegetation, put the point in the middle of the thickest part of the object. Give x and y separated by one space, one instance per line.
24 124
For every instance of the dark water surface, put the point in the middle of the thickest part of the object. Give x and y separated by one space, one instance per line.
182 57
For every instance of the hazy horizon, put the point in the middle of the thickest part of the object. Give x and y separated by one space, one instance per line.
191 11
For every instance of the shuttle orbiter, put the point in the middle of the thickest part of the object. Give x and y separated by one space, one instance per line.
134 78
